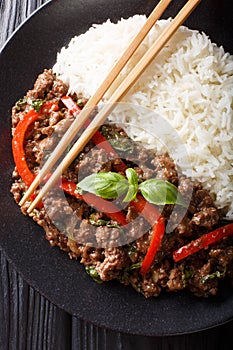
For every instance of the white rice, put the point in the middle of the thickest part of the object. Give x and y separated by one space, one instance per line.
189 84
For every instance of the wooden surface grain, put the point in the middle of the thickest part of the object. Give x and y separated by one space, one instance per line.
29 321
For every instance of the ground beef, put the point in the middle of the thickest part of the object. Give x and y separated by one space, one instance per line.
175 281
207 217
93 162
115 259
47 87
90 236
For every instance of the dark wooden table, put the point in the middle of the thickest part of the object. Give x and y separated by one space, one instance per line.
29 321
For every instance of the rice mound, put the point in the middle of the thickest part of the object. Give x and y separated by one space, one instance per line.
189 84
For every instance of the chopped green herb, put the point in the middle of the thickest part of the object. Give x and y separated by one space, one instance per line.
123 144
21 103
81 102
134 266
46 154
91 271
37 104
118 140
186 275
124 276
216 274
132 252
100 222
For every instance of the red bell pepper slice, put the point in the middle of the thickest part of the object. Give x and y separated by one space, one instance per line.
153 216
73 108
18 140
146 209
18 147
158 230
203 242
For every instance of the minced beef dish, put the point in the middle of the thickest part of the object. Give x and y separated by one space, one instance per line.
202 272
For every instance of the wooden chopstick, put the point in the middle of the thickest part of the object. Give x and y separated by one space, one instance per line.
95 99
116 96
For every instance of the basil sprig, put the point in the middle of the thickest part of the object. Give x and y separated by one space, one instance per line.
111 185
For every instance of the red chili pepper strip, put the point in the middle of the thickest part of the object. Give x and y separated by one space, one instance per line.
18 143
153 216
18 148
106 207
18 140
71 105
158 230
146 209
203 242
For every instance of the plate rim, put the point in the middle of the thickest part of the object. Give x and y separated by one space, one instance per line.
19 28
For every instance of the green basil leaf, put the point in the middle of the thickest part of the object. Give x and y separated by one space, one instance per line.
106 185
131 194
161 192
133 185
132 176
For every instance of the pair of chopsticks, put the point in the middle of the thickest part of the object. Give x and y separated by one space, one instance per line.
116 97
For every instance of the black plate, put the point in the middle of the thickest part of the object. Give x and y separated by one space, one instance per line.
31 49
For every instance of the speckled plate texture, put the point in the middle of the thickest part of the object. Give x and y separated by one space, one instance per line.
31 49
